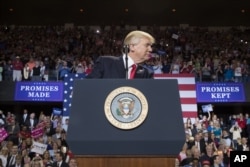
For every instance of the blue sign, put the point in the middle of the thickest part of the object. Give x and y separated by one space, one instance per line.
39 91
220 92
57 111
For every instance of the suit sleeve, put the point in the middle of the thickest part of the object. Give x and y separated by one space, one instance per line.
98 69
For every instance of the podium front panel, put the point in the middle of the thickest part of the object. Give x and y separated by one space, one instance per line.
90 132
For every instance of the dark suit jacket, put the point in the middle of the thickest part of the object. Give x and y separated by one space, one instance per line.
202 145
113 67
28 123
22 120
64 164
240 147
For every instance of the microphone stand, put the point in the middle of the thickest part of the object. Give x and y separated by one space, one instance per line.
126 59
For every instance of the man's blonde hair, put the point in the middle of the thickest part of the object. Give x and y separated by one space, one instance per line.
135 36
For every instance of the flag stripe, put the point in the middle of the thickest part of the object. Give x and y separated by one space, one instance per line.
187 94
187 91
186 87
189 107
189 115
188 100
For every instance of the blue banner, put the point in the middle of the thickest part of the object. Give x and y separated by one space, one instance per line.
220 92
39 91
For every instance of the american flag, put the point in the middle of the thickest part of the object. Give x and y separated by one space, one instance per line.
68 89
187 90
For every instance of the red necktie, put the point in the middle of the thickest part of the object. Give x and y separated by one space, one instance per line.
132 72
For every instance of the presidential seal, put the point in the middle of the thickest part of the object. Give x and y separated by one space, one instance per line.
126 108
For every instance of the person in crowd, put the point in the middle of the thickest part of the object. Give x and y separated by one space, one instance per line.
241 121
235 130
36 74
226 139
17 65
206 71
24 116
47 159
238 72
245 71
73 162
4 155
63 70
166 65
79 69
13 130
217 131
7 70
206 137
11 159
59 161
244 146
175 66
26 72
228 73
18 161
216 161
32 121
200 144
186 68
208 155
24 133
43 72
157 66
31 63
138 48
219 73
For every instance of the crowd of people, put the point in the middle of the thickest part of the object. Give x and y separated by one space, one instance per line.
210 139
32 140
48 53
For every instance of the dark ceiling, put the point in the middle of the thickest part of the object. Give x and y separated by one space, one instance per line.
143 12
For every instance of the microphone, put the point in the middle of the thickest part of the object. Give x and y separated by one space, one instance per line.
126 51
125 48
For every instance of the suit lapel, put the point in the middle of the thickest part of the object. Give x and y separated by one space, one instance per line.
140 72
121 67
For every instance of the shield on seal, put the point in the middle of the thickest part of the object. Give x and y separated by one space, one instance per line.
126 106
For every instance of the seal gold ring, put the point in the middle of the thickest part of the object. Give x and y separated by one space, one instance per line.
126 108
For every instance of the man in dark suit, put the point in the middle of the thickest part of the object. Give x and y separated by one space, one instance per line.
200 144
31 122
59 161
244 145
24 117
137 49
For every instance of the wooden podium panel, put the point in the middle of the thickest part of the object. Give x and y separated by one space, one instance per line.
125 161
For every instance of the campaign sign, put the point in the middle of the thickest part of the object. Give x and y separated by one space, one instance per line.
37 132
3 134
57 111
39 91
220 92
39 148
207 108
239 158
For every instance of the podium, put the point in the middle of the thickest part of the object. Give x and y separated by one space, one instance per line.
157 130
